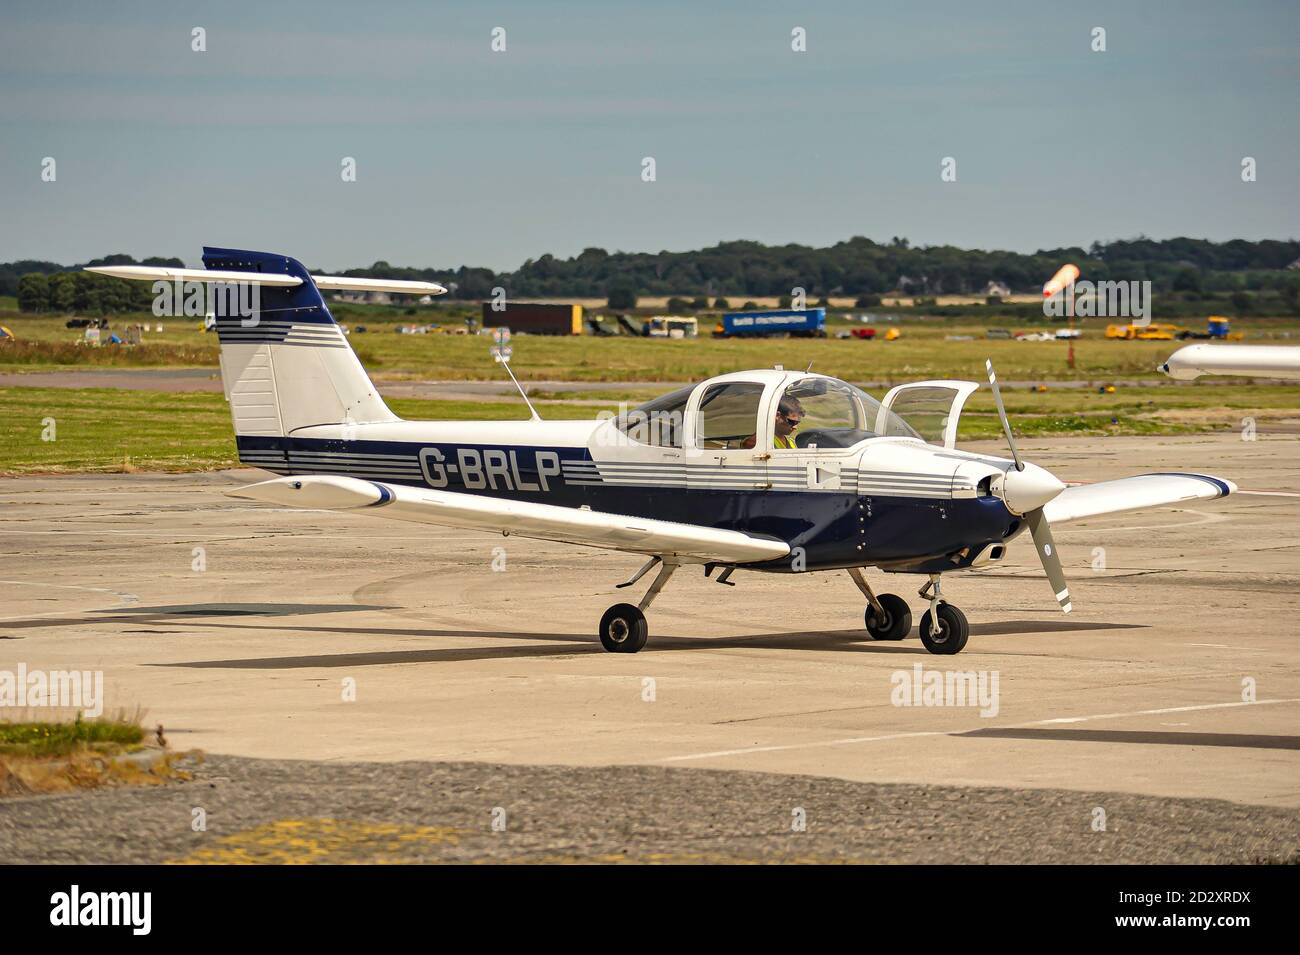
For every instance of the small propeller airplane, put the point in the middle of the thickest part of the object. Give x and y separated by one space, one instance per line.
765 470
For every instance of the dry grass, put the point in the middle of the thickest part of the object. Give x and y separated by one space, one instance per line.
25 776
61 353
50 756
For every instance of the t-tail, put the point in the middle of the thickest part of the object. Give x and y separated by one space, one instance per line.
285 362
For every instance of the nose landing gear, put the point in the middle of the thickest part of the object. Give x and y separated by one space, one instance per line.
944 628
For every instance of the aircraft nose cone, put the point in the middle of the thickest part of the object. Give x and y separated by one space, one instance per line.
1027 490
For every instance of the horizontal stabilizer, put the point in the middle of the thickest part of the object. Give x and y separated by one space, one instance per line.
340 283
523 518
327 283
1134 494
149 273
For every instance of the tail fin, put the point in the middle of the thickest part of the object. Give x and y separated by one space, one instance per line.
288 365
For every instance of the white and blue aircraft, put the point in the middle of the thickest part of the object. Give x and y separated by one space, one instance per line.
765 470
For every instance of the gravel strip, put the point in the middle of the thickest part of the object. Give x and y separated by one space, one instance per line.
292 811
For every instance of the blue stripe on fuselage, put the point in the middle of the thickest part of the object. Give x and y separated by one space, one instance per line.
834 529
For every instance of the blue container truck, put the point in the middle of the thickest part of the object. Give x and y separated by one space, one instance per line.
783 323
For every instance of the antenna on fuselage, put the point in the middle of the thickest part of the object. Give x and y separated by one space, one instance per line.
501 352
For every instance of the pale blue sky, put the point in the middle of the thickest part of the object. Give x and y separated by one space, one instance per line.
466 156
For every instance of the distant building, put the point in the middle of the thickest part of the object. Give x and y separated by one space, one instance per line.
366 298
997 289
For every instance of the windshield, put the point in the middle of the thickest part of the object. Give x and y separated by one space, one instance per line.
816 412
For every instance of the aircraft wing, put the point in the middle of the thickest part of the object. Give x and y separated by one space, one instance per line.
637 535
1133 494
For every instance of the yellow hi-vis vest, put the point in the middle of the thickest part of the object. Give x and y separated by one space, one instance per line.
786 442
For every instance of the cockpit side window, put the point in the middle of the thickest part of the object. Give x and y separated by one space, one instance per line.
728 415
658 422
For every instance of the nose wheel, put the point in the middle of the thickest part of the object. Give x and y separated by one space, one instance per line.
944 628
951 632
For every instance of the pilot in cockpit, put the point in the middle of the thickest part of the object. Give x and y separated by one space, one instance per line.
788 415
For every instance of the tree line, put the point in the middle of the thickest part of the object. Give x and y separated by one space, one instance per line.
50 287
858 267
862 267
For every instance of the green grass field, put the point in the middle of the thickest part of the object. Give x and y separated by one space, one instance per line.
46 739
107 430
922 352
104 429
111 430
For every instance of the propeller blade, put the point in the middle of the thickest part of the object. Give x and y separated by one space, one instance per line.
1046 547
1002 413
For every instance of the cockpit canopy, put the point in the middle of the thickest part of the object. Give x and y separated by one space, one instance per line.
764 410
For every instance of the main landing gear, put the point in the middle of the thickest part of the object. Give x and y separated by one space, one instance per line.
623 628
944 628
888 616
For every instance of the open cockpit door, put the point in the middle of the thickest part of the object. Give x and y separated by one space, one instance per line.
932 408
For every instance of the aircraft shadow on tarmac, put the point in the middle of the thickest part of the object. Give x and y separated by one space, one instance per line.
1140 736
139 615
573 643
240 610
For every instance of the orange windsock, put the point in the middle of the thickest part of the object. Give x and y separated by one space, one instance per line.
1064 276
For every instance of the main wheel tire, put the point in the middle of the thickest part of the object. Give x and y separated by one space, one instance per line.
896 622
954 630
623 629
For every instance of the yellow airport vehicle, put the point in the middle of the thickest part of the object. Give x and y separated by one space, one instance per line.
1155 331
